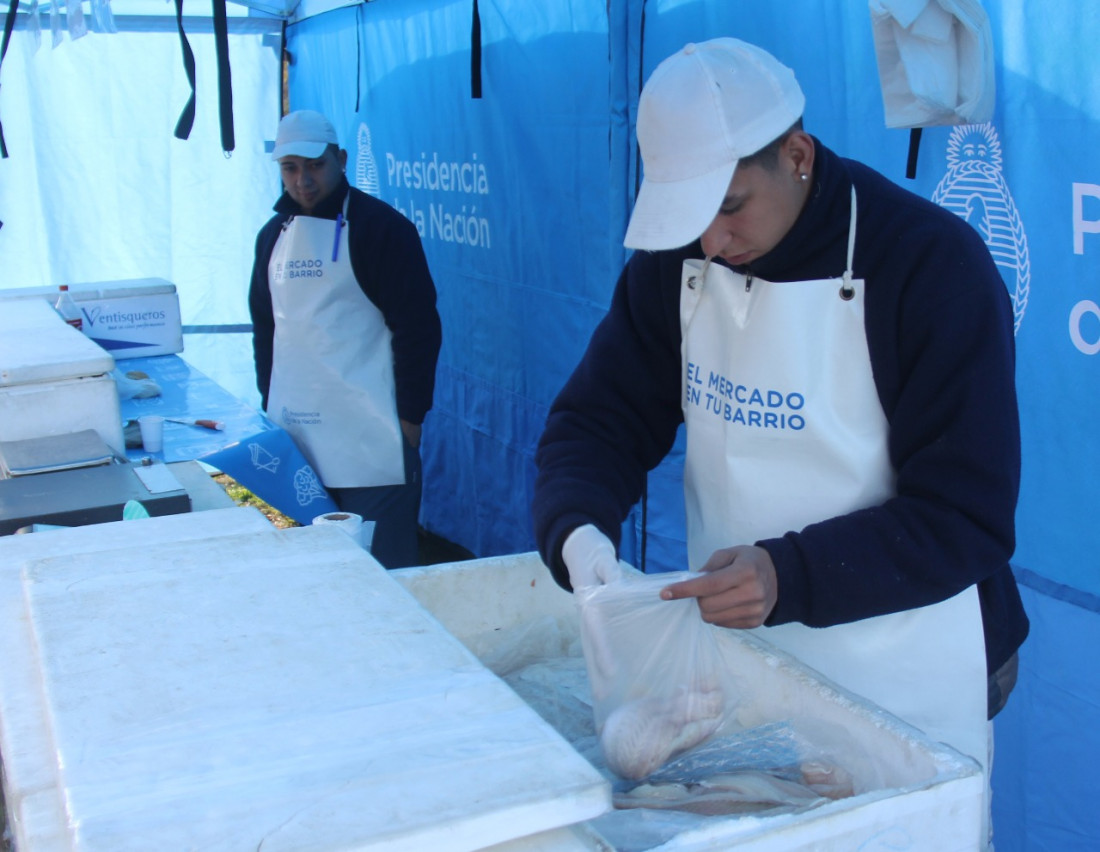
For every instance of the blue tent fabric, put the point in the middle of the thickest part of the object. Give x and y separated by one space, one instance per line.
522 197
480 178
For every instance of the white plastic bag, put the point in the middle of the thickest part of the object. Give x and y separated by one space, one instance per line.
654 667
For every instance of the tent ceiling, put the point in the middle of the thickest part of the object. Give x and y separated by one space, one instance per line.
290 10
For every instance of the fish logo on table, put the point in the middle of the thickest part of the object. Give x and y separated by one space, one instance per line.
262 458
974 188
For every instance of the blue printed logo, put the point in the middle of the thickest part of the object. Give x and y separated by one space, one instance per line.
366 169
975 189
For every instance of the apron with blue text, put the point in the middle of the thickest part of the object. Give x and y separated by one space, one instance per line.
782 435
332 385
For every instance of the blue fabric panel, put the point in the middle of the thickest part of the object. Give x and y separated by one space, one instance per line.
624 83
1046 739
510 193
1053 107
1037 225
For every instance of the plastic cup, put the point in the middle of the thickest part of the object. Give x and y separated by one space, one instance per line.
152 432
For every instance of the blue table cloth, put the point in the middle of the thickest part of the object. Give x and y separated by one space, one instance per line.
249 447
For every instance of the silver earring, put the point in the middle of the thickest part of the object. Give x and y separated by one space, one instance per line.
803 176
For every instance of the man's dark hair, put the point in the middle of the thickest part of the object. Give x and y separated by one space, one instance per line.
768 156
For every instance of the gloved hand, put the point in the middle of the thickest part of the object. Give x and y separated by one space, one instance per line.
590 558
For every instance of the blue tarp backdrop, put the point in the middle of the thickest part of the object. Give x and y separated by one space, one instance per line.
521 197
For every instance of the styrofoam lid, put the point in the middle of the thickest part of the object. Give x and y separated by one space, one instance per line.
32 312
281 689
122 288
35 813
36 346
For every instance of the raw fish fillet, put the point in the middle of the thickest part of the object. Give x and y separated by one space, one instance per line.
639 736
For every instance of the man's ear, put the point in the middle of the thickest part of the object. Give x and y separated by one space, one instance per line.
799 150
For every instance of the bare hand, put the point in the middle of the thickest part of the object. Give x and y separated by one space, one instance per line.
737 589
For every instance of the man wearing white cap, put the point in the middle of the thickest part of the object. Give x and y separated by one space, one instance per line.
841 354
346 334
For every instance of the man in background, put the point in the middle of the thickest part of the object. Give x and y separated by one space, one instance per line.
346 334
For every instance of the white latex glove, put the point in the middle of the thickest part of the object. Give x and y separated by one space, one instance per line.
590 557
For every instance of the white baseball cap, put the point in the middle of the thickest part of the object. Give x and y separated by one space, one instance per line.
304 133
702 110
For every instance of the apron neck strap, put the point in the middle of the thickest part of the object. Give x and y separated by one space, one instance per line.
847 276
847 286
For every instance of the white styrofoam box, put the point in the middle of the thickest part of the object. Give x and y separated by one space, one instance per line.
130 318
276 689
53 379
26 313
36 345
34 811
63 407
913 793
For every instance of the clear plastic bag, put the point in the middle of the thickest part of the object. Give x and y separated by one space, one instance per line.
655 669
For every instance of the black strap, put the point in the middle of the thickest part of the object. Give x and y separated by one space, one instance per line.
475 54
284 60
914 145
358 55
187 117
641 85
9 25
225 87
644 537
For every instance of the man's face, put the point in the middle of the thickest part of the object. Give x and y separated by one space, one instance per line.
310 181
758 210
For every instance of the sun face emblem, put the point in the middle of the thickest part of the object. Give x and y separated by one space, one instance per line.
366 169
974 188
976 143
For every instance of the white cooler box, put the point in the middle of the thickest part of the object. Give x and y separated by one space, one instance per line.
240 690
53 379
911 793
130 318
246 688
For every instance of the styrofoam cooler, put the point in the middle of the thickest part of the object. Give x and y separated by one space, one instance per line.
273 689
130 318
133 318
912 793
240 688
53 379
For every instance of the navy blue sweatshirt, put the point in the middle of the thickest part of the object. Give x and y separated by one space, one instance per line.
939 327
388 261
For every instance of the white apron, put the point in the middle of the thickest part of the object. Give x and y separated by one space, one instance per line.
332 385
781 435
